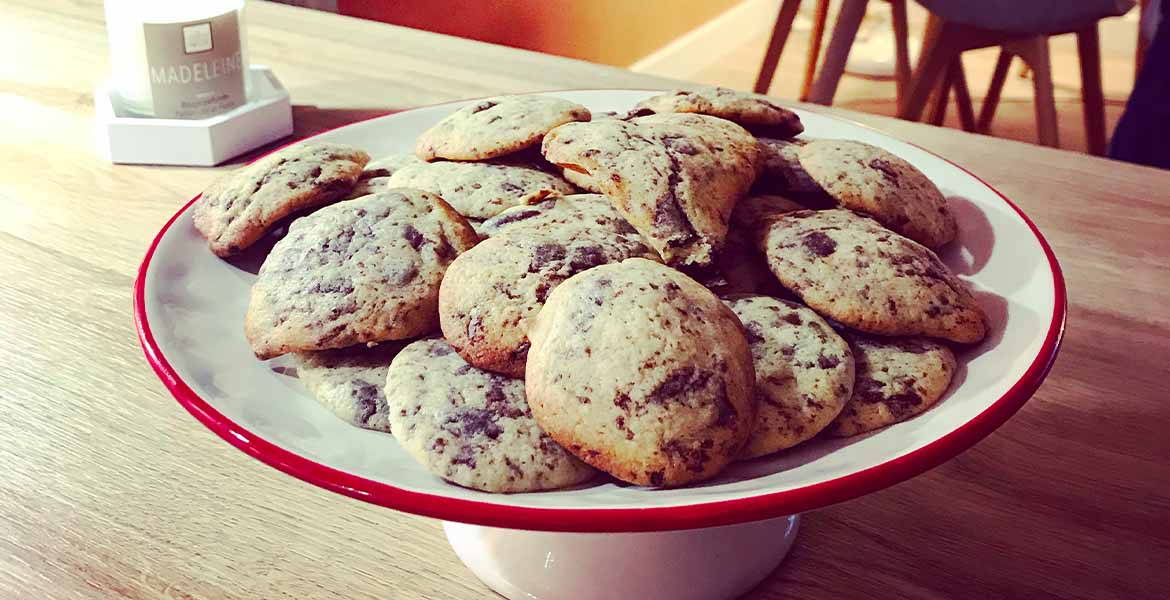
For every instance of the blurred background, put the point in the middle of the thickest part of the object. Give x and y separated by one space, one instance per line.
724 42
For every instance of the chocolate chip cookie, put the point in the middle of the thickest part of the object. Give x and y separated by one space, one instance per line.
491 293
472 427
782 173
675 178
804 371
897 378
479 190
739 268
562 214
349 382
882 185
376 176
851 269
754 214
756 112
643 373
496 126
364 270
239 208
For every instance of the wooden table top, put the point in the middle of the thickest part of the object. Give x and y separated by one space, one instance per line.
110 490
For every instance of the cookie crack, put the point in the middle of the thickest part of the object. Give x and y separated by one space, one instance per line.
668 212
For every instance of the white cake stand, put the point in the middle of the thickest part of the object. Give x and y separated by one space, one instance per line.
606 539
686 564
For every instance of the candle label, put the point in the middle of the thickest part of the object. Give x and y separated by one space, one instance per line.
196 68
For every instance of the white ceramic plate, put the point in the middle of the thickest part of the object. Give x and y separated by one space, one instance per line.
190 306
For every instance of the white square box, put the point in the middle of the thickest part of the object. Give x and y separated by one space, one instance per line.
196 142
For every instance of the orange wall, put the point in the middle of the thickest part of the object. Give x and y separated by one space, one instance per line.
616 32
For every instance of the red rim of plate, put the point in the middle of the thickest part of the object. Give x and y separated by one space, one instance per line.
692 516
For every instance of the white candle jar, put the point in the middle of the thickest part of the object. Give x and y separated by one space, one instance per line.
176 59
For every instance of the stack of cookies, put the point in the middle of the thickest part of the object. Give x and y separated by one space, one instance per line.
539 293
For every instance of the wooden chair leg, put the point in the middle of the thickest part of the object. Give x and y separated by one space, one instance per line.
901 48
849 18
991 100
933 60
962 95
1034 51
1092 98
814 47
940 99
776 45
1142 43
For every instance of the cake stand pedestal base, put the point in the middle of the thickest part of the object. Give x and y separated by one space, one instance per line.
703 564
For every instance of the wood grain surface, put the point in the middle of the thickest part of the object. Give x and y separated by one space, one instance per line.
108 489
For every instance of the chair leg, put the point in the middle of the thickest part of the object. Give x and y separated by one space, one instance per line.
901 48
1142 43
1092 98
962 95
776 45
844 32
1034 51
933 60
991 100
814 47
940 100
